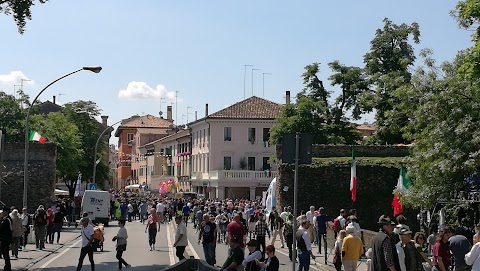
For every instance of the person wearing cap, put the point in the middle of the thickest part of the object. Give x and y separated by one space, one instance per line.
6 237
352 250
408 256
236 256
87 232
304 246
253 255
385 255
181 241
208 236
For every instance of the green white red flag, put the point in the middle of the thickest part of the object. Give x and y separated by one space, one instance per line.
353 176
403 184
34 136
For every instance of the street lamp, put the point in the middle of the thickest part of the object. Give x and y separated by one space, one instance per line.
96 148
27 132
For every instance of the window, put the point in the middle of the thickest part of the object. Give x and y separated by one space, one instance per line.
251 163
129 138
227 162
251 135
266 164
266 134
227 133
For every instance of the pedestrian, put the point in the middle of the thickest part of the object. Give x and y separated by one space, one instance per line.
278 230
50 219
121 239
321 226
17 231
271 263
473 257
310 215
26 222
420 241
208 236
152 229
58 223
143 211
181 241
40 222
261 229
459 246
235 257
87 232
186 213
6 237
254 254
288 234
337 257
130 211
441 251
339 222
408 256
384 253
123 210
304 245
236 228
352 250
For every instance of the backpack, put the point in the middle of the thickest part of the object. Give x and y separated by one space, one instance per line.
336 225
40 218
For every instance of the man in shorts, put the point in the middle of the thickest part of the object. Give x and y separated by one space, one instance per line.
160 211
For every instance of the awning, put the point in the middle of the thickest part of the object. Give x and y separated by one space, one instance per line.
59 192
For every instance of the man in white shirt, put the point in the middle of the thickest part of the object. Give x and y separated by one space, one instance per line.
87 239
304 246
472 258
181 241
160 211
341 219
310 215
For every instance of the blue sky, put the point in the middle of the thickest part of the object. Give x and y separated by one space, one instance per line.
150 49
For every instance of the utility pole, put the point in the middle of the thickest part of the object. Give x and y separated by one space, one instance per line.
245 78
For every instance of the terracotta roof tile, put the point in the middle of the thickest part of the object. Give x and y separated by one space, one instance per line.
147 121
251 108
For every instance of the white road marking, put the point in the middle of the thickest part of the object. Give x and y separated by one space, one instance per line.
58 256
170 246
193 250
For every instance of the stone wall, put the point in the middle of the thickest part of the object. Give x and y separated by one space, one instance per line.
41 181
326 182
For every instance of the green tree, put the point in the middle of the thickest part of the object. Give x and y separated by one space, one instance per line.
387 66
446 117
12 118
83 114
59 130
312 114
21 10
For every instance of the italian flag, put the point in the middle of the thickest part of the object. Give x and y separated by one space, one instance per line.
34 136
403 185
353 176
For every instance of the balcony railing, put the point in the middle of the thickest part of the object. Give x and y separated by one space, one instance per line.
235 175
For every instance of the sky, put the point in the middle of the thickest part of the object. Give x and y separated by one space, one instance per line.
189 53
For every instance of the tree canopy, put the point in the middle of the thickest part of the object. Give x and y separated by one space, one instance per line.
20 10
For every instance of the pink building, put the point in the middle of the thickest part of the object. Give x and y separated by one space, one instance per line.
230 150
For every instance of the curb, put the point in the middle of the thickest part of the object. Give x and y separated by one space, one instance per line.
34 262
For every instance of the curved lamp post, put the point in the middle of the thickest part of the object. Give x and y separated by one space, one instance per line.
96 148
27 132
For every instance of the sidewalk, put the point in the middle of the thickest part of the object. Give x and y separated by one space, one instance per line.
30 256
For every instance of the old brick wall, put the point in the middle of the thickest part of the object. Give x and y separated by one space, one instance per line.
326 183
41 181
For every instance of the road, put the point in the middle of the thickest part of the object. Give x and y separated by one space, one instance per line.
138 253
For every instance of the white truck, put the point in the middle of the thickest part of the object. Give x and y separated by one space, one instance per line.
97 204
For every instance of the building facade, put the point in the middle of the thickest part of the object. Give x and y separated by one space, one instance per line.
231 154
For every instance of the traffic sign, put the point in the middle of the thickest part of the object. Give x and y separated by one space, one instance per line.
92 186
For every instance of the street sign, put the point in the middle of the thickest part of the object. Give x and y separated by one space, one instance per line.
92 186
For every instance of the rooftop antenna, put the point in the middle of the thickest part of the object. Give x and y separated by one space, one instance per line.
188 107
161 101
60 96
176 104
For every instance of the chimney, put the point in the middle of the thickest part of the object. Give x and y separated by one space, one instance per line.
206 110
104 120
287 97
54 99
169 113
196 115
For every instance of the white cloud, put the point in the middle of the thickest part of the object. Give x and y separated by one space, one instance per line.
141 90
15 78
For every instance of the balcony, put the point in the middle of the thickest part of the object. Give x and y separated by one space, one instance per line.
235 175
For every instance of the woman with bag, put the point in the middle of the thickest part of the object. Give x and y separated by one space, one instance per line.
152 222
121 239
337 259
